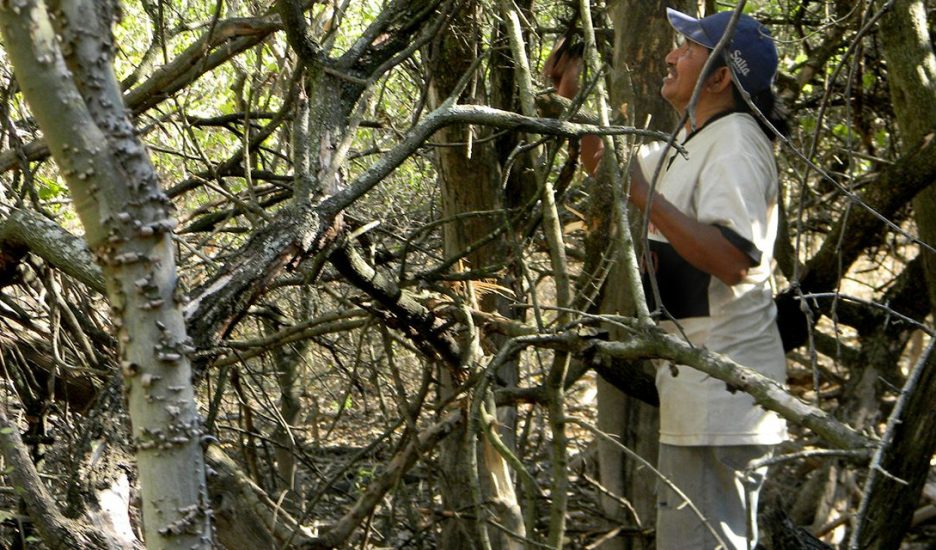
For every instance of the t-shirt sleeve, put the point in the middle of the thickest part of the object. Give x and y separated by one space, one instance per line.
649 155
732 194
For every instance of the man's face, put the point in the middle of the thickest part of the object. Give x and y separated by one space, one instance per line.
683 65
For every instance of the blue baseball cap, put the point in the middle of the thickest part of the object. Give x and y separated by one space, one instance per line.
751 51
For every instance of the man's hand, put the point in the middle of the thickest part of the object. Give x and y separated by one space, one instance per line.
702 245
639 188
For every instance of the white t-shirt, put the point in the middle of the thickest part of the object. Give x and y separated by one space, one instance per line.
729 180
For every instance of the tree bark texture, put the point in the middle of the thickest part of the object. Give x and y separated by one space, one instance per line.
19 227
470 177
889 503
77 102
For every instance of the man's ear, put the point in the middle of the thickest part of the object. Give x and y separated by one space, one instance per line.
720 80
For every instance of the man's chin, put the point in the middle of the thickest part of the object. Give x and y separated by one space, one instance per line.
665 92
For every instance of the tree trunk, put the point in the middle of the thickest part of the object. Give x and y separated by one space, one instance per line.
890 504
470 178
77 102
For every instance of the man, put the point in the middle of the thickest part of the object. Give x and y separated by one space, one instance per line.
713 222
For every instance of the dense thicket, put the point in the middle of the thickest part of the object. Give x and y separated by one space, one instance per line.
323 274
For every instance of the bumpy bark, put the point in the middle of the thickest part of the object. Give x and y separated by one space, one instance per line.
77 103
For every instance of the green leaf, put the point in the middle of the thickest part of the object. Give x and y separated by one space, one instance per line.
51 188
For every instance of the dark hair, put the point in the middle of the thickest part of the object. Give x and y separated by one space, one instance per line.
766 102
572 46
770 106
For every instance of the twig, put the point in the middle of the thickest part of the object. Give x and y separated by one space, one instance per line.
872 303
552 229
624 240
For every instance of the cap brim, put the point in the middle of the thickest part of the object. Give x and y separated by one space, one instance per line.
690 27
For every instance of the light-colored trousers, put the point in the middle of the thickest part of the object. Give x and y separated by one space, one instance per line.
716 481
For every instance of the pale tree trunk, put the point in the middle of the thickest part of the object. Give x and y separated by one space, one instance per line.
77 103
888 505
471 194
643 37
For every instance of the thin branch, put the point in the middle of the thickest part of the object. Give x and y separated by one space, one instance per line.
449 114
768 393
626 251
